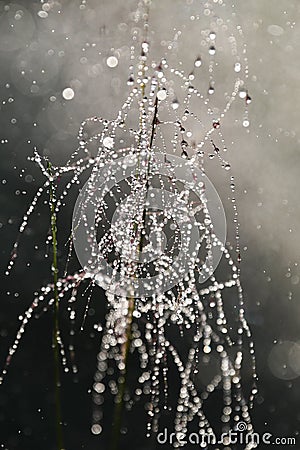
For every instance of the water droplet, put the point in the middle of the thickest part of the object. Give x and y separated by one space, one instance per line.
108 142
162 94
242 93
248 99
96 429
237 67
211 90
212 35
184 154
42 14
212 50
28 178
112 61
68 94
19 14
246 123
130 80
198 62
145 47
175 104
216 124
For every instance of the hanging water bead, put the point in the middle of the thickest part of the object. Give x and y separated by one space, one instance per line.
162 94
130 80
108 142
42 14
212 50
246 123
216 124
175 104
198 62
242 93
211 90
212 35
237 67
184 146
248 99
145 48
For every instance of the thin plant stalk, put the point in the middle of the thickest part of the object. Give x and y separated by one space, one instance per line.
59 431
118 412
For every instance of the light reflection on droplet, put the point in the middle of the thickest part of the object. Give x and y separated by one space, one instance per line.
198 62
112 61
162 94
68 94
237 67
108 142
212 50
242 93
42 14
96 429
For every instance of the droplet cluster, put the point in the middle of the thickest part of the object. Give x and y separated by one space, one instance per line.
159 119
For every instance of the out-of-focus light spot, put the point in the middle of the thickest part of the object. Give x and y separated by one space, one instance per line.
46 7
19 14
175 104
275 30
17 26
242 93
162 94
284 360
112 61
294 358
237 67
68 94
96 429
43 14
108 142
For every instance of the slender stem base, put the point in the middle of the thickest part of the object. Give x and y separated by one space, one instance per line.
119 406
59 432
